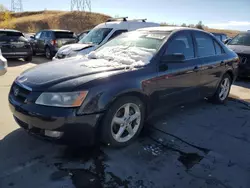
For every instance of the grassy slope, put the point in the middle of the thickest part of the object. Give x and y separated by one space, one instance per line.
75 21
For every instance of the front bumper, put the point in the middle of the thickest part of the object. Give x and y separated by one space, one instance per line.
36 119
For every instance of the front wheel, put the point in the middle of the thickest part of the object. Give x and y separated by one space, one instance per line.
48 53
123 121
223 90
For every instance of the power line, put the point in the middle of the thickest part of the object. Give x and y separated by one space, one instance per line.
16 5
81 5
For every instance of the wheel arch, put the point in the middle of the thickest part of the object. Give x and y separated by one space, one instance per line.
230 73
143 97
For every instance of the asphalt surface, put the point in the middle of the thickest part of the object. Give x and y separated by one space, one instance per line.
198 145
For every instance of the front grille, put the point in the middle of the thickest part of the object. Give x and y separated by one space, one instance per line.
244 58
19 93
24 125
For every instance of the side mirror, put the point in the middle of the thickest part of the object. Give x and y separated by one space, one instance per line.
173 58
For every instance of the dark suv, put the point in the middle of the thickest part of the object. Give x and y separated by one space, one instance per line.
221 36
241 45
108 94
49 41
14 45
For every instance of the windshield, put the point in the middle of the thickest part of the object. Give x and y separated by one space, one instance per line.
96 36
133 48
241 39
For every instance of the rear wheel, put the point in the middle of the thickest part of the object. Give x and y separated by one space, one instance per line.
123 121
223 90
48 53
29 58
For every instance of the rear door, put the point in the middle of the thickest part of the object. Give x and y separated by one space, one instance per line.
64 37
41 42
5 44
212 56
181 81
20 46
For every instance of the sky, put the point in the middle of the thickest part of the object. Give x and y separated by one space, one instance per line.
221 14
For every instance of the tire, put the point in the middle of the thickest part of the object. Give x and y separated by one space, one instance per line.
29 58
110 129
48 53
217 98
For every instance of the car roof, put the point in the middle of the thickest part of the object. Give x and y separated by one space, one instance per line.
10 30
127 25
170 29
56 30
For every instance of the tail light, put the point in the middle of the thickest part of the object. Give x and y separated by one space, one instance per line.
53 42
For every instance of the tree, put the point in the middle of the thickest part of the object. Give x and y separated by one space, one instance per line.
7 20
199 25
183 25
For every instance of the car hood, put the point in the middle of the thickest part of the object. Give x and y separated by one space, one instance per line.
49 74
67 49
240 49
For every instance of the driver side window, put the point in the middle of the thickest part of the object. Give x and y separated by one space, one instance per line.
181 44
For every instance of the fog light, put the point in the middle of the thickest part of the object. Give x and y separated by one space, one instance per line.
54 134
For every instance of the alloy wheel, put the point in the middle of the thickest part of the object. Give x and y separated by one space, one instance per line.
126 122
224 89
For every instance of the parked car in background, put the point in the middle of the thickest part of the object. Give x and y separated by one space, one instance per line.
3 64
100 35
82 34
241 45
109 94
49 41
221 36
28 36
14 45
227 40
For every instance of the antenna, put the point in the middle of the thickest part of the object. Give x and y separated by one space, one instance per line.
16 6
81 5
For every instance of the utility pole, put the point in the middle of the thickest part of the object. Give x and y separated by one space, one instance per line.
81 5
16 6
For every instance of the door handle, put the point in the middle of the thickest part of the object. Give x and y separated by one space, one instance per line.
196 69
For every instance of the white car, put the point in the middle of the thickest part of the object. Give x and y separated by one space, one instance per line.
3 64
100 35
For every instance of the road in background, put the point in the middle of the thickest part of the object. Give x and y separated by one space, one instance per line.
196 145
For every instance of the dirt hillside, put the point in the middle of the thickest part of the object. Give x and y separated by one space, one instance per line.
75 21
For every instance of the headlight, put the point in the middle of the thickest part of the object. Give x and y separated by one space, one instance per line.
67 99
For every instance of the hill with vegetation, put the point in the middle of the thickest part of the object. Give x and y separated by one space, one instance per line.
75 21
35 21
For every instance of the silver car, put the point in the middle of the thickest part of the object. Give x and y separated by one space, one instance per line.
3 64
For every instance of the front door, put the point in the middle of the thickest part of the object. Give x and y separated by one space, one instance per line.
181 81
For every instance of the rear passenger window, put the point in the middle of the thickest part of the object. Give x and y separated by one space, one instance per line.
218 49
117 32
182 44
205 45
